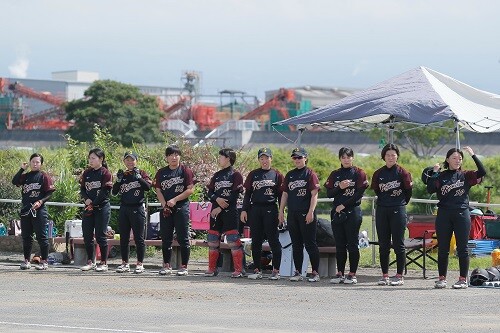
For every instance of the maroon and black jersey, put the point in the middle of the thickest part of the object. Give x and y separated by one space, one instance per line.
131 189
262 187
298 184
173 182
96 184
35 185
227 184
351 195
393 186
452 186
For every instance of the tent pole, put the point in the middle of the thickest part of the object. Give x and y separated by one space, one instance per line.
299 138
457 132
391 130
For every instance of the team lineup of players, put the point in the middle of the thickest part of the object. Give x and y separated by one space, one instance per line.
267 195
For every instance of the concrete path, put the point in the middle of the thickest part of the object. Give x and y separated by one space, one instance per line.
64 299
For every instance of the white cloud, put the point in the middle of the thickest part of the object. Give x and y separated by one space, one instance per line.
19 68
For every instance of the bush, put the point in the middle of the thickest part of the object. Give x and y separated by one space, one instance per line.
66 164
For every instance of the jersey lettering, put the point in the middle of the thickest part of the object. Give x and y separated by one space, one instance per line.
447 188
297 183
130 186
389 186
166 184
92 185
222 184
31 187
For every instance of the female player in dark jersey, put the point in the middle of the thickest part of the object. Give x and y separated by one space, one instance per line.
452 187
95 187
174 185
223 192
36 189
262 192
300 195
393 186
346 186
131 185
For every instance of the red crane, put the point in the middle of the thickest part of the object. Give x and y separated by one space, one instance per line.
278 102
19 89
182 102
53 118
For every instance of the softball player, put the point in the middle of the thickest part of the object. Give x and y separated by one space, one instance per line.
131 185
393 186
36 189
174 185
300 195
262 192
223 192
452 187
95 187
346 186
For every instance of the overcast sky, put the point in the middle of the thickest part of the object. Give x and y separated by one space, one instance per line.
252 45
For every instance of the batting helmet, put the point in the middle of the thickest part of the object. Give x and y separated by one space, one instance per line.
426 174
493 273
478 276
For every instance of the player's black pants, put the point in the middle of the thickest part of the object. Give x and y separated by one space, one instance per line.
97 222
303 235
133 218
30 224
346 239
263 220
449 221
179 220
391 224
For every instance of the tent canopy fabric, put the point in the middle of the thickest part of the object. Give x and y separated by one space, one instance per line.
419 96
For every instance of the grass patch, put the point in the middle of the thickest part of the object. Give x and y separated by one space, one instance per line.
197 252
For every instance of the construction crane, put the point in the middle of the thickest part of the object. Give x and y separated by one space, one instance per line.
19 89
278 102
53 118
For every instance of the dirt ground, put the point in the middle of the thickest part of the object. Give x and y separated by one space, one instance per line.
64 299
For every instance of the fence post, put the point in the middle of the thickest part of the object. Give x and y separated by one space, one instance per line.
374 230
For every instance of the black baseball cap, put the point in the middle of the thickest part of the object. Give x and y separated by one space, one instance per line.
130 154
265 151
299 152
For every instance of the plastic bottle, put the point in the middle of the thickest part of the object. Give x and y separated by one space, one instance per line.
495 257
3 230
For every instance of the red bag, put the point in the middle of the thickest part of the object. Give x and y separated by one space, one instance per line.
477 228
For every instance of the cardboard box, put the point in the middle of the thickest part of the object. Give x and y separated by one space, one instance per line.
74 227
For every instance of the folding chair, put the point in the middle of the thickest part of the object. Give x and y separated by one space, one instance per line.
421 243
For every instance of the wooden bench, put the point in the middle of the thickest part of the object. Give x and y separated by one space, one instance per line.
327 263
80 255
327 259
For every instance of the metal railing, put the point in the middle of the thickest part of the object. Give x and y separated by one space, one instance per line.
178 125
371 199
231 125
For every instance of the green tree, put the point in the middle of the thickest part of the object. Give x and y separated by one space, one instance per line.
126 113
423 141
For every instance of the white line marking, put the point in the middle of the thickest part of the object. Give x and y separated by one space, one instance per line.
76 327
